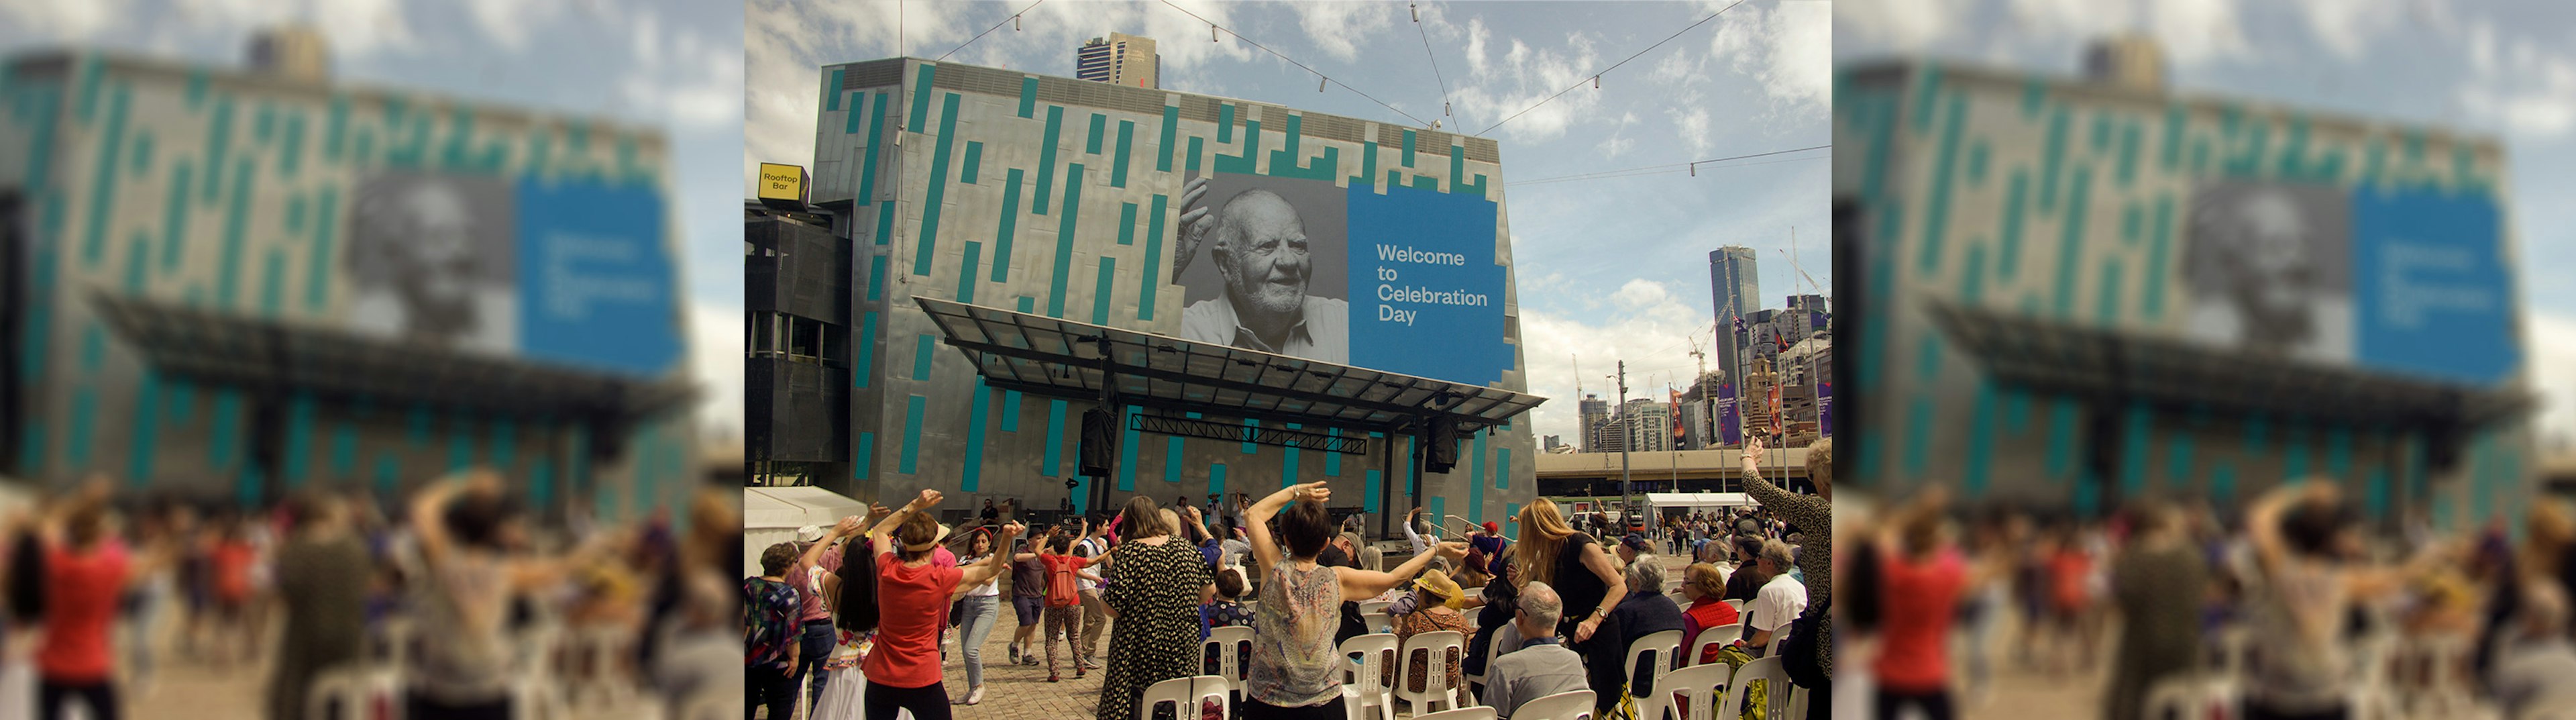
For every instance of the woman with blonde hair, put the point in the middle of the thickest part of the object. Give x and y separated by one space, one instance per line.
1587 578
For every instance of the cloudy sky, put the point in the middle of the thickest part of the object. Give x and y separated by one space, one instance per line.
1610 269
672 63
2502 68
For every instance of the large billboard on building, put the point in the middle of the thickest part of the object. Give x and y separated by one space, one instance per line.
1343 275
486 264
2409 281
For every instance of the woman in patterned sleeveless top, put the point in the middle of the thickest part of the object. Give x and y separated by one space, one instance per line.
1295 674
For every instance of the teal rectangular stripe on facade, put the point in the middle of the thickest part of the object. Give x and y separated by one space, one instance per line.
868 159
1224 122
1064 240
144 445
938 191
1010 225
1163 147
236 224
1936 216
1249 448
1216 478
174 217
1054 461
1127 443
1153 270
858 111
885 222
317 278
921 350
1010 411
1172 461
1475 480
832 91
1502 473
1105 295
1046 158
972 476
344 449
1028 95
921 98
299 439
1369 491
974 157
290 152
219 135
1091 138
863 456
103 178
1118 165
1126 223
460 442
912 409
1333 460
966 272
1408 148
876 277
1198 145
1248 161
2070 249
867 350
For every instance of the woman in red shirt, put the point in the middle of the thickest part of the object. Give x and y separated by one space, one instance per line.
85 575
1705 586
1920 580
912 592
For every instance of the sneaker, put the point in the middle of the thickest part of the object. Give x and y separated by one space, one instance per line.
1077 672
975 695
1015 654
1052 677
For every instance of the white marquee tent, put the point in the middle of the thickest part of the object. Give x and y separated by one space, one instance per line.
771 515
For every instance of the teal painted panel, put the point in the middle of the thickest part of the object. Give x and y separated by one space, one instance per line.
541 483
1064 240
2178 451
144 445
103 179
2174 122
460 442
1028 95
974 159
966 272
335 130
1091 138
1163 146
295 214
1118 165
1936 216
1216 478
1476 473
2222 484
1368 166
182 401
876 277
1196 148
219 135
867 342
299 440
224 420
1172 462
1978 466
972 476
909 461
1426 183
388 474
1224 123
2134 449
1011 411
2052 157
236 223
2375 494
1054 440
1502 476
1027 304
1153 270
2061 438
272 283
1246 162
31 446
1046 158
2107 307
1249 448
1927 356
832 91
1369 491
1978 160
1408 148
921 348
2294 449
174 217
2127 171
863 455
84 422
344 450
858 111
2151 301
1010 225
2132 222
1126 223
1127 450
1972 278
2010 258
1104 294
920 100
868 159
142 152
938 190
317 272
504 443
2339 454
2071 248
290 154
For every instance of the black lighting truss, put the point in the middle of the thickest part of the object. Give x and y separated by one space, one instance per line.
1230 432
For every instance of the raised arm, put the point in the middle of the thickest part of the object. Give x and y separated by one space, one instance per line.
1358 585
1420 546
429 508
993 565
880 538
1256 519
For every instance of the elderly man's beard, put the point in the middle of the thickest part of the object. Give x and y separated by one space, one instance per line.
1266 295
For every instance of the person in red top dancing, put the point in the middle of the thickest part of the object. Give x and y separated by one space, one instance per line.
1921 580
85 576
912 592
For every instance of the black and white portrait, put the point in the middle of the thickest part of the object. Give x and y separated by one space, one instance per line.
1274 276
431 260
2269 266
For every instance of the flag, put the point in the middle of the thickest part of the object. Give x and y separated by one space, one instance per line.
1726 419
1739 324
1774 404
1676 402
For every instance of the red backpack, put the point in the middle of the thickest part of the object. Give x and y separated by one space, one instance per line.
1060 589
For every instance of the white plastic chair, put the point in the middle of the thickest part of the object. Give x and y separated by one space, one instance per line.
1372 673
1375 606
2174 698
1719 635
1575 705
1650 658
355 689
1186 695
1377 622
1775 689
1737 604
1700 688
1229 643
1437 648
1464 713
598 676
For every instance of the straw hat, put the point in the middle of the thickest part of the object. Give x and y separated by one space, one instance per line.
1439 584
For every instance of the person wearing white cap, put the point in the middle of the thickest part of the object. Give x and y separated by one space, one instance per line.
903 673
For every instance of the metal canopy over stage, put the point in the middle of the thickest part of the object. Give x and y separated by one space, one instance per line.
1049 357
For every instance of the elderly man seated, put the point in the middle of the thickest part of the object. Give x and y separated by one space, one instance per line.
1542 666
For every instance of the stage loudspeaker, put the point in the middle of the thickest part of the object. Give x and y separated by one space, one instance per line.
1099 441
1440 451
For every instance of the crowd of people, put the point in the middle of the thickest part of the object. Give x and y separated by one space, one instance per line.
104 593
2291 609
854 618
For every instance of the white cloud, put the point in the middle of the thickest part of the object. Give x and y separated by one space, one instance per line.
2192 32
1476 35
61 20
681 76
511 23
2347 26
716 365
2552 339
1526 76
1902 25
1691 123
1787 48
1651 328
356 28
2525 90
1338 27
